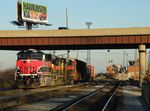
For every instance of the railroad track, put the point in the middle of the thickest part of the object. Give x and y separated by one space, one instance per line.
99 100
20 91
109 105
17 97
70 98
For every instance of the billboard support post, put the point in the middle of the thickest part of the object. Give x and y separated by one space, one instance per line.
29 26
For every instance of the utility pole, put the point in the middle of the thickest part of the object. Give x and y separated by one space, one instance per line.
88 51
126 61
135 60
124 52
77 54
67 18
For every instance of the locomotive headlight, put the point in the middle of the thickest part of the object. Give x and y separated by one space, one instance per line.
52 65
28 60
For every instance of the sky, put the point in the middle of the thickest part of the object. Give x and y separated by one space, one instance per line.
102 14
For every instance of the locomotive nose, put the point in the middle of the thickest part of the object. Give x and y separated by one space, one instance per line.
31 69
28 69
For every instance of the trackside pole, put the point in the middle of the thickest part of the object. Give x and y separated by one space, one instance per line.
142 63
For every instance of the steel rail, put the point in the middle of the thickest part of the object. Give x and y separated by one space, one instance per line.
84 98
104 108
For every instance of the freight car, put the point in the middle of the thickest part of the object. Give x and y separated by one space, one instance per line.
91 71
77 71
35 68
133 72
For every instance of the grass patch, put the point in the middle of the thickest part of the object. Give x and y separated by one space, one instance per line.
7 78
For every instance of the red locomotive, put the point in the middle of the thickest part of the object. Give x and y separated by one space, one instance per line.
31 66
35 68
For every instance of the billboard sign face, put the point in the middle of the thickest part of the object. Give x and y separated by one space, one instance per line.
33 13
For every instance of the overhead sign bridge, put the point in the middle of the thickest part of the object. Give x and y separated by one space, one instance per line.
114 38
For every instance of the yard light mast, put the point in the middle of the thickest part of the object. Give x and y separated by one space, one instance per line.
88 51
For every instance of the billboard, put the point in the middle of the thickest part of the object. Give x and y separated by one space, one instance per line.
32 12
